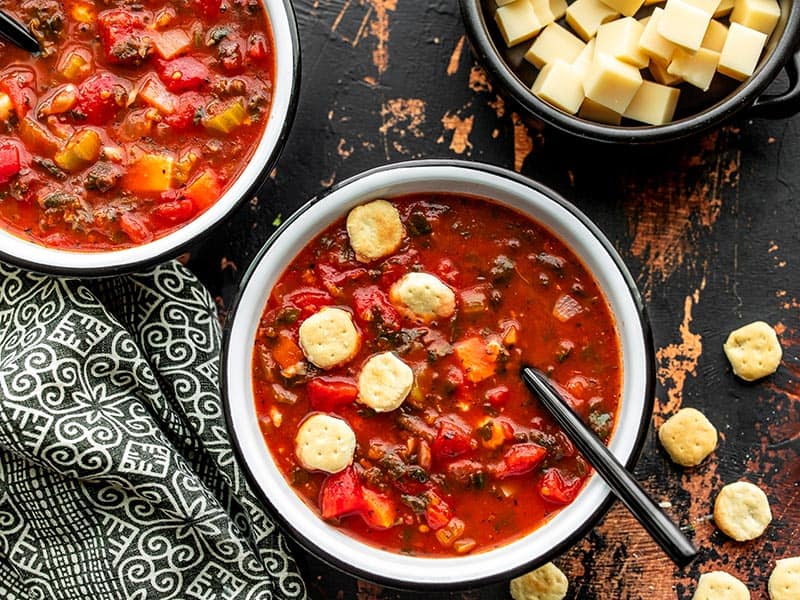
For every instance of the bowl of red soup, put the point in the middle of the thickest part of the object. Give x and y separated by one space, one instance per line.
371 373
138 127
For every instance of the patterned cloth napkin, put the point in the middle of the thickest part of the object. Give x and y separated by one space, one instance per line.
117 478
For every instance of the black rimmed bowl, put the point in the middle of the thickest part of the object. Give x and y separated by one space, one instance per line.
331 544
697 110
286 86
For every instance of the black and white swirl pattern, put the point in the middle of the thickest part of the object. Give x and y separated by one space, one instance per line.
117 478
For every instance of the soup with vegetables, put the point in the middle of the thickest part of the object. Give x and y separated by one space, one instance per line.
386 373
134 119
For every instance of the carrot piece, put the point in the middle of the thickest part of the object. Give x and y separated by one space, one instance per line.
150 173
172 43
286 352
379 512
204 189
478 358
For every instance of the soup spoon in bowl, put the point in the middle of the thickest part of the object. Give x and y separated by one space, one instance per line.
625 487
16 33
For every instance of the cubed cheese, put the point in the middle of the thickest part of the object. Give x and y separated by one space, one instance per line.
724 8
697 68
683 24
761 15
707 6
659 72
542 10
620 39
741 52
558 8
653 103
626 7
517 22
611 82
592 111
559 84
652 43
554 43
586 16
715 36
584 60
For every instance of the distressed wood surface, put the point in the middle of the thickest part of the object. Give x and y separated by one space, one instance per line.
708 227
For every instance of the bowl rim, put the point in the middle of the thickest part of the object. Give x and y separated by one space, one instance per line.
594 516
40 258
743 96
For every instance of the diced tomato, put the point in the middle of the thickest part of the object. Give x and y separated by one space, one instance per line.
183 74
447 270
371 304
9 162
185 115
452 439
453 379
100 98
123 36
135 228
394 267
437 512
19 84
309 300
520 459
379 512
175 211
333 279
257 47
497 396
329 393
341 494
554 488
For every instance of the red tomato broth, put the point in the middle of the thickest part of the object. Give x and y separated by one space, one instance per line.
131 122
524 270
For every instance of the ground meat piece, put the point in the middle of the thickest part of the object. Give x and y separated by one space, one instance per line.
102 177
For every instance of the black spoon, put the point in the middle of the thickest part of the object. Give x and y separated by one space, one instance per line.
16 33
625 487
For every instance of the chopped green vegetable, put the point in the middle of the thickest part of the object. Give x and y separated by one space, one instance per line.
227 120
82 150
276 222
600 422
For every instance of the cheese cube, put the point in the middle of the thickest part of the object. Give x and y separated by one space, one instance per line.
542 10
761 15
592 111
626 7
697 68
620 39
683 24
559 84
709 6
586 16
725 7
741 51
517 22
583 62
715 36
611 82
659 72
653 103
558 8
553 43
652 43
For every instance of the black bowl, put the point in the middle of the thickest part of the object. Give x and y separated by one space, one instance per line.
697 111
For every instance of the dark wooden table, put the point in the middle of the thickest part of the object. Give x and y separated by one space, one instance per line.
709 229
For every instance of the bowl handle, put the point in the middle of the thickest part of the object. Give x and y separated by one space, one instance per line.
786 104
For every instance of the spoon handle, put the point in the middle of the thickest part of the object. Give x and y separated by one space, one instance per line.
16 33
625 487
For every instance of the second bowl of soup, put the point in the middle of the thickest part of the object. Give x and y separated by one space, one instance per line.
372 373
